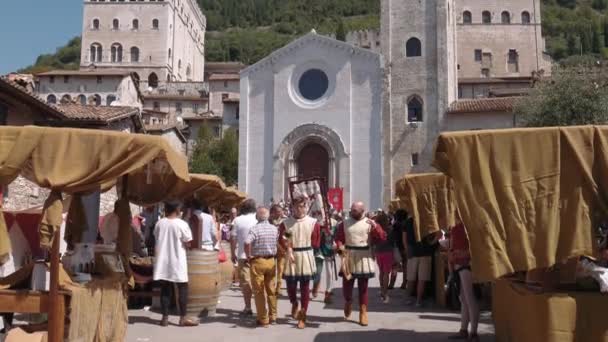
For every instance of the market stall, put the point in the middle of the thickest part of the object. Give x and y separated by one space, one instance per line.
77 162
531 201
429 200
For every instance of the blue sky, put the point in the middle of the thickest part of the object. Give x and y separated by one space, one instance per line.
29 28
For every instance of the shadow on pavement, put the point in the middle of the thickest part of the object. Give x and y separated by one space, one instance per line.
388 335
482 319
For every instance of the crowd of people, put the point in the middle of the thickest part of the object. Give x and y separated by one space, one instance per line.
273 244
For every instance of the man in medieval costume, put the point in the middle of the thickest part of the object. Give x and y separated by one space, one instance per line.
299 234
354 238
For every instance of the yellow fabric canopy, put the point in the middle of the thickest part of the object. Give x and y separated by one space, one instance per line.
229 198
529 197
429 199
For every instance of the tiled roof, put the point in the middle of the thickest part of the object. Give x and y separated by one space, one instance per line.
102 114
232 99
86 72
162 128
175 97
202 117
224 77
152 111
27 96
224 66
485 105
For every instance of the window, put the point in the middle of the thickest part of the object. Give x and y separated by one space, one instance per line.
477 55
414 159
467 18
169 53
99 79
238 112
217 130
525 17
82 100
115 24
181 92
486 17
153 80
95 100
195 107
96 53
414 109
156 105
178 107
513 61
188 71
485 72
312 85
413 48
116 53
66 79
110 99
66 99
51 99
95 24
135 24
134 54
179 64
505 17
155 24
52 79
225 84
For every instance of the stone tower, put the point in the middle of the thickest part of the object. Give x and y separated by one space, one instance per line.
160 40
419 49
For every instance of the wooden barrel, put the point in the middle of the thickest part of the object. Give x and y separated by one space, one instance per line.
203 282
226 268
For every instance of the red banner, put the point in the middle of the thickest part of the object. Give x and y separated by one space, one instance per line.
335 197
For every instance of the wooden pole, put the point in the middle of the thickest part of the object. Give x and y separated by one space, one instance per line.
56 310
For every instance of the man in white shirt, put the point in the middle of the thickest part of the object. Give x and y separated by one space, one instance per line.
208 226
240 231
171 264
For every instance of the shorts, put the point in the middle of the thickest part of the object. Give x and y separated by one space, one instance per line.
419 268
385 261
244 272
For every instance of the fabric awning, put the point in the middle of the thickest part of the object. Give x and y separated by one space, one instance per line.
429 199
529 198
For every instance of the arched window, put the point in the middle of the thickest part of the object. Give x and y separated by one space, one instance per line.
168 78
115 24
188 71
155 24
95 100
135 24
116 53
82 100
96 53
66 99
134 54
486 17
505 17
110 99
169 53
153 80
179 64
414 109
413 48
525 17
467 18
51 99
95 24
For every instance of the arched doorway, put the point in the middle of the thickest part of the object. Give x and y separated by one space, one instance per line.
313 161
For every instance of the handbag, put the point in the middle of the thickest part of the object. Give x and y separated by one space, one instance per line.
221 256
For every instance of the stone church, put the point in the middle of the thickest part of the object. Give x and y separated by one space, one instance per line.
360 119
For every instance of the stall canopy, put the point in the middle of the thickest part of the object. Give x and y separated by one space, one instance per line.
74 161
429 199
529 198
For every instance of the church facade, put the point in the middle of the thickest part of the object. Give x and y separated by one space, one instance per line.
444 65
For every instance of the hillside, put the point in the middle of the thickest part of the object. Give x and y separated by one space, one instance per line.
248 30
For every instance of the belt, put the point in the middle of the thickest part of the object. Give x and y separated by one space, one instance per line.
264 257
302 249
358 248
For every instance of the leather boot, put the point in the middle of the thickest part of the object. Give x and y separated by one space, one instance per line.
301 319
348 309
294 310
363 316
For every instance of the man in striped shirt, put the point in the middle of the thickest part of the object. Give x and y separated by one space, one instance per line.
261 251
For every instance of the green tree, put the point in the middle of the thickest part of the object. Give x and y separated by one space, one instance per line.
572 44
341 31
573 96
596 43
216 156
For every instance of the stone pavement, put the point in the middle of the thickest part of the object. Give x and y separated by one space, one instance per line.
388 322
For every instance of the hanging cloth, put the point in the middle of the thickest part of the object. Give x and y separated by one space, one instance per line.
51 219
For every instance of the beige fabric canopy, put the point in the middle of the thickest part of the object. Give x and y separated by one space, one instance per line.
429 199
529 198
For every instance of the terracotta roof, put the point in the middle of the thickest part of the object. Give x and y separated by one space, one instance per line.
152 111
162 128
224 66
485 105
86 72
102 114
23 94
483 80
232 100
203 117
174 97
224 77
